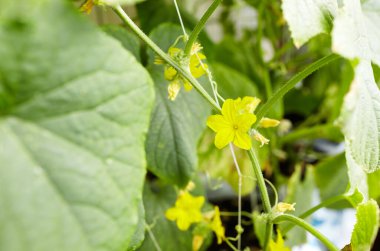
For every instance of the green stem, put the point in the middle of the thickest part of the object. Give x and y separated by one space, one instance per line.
307 227
268 235
290 84
260 181
198 28
312 210
120 12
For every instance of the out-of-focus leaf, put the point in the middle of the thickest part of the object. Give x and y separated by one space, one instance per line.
175 126
331 177
307 18
366 227
356 32
231 83
299 192
129 41
73 102
139 234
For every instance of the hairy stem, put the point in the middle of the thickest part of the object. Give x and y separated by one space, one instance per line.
199 27
260 181
312 210
300 222
290 84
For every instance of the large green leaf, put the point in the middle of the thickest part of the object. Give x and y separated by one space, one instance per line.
129 41
73 116
175 126
356 32
307 18
366 227
360 119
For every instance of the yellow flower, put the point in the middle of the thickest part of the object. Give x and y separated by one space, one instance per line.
279 244
231 126
187 210
216 225
196 66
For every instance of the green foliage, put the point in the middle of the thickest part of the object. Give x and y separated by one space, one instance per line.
366 227
74 113
331 177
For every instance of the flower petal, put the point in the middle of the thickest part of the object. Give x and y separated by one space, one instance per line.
173 89
242 140
218 122
229 110
224 137
172 214
187 85
183 223
245 121
170 73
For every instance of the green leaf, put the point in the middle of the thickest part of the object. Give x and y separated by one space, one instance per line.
299 192
357 177
157 199
129 41
374 185
366 227
73 117
356 32
360 120
308 18
175 127
139 235
331 177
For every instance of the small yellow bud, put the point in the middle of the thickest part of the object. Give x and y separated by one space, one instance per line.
173 89
170 73
87 6
190 186
197 242
267 122
187 85
259 137
282 207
